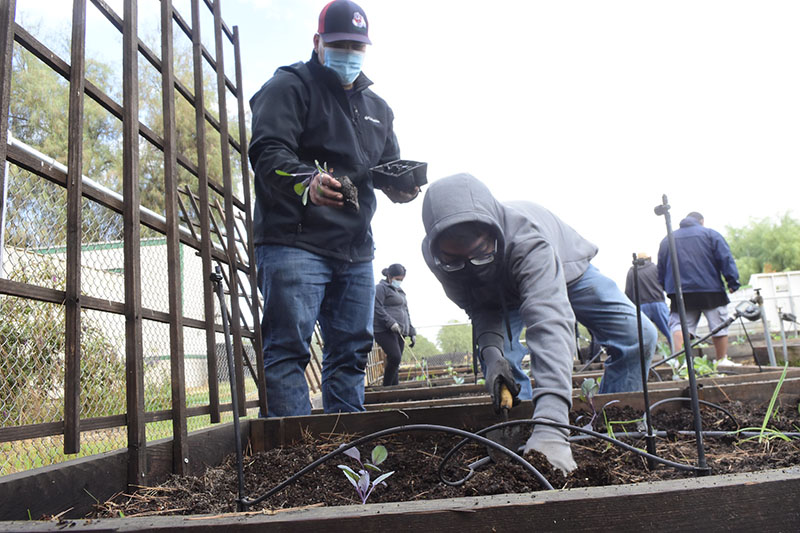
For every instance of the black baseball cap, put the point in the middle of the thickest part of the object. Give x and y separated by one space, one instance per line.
342 20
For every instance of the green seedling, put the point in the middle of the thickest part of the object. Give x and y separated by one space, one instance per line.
765 433
702 367
453 374
589 388
301 188
361 480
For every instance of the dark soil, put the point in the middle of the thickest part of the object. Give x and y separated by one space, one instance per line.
415 459
350 194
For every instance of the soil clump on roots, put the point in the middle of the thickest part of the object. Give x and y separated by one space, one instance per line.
415 460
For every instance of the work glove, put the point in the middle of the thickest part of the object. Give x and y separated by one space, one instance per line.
396 328
413 341
553 444
498 373
398 196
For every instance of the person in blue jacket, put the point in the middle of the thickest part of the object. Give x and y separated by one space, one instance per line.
392 320
704 259
315 256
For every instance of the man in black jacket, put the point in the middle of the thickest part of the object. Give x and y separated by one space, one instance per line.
313 124
651 294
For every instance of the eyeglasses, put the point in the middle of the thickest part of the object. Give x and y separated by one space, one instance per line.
458 264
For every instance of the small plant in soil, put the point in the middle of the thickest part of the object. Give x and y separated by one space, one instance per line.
349 190
702 367
458 380
589 388
361 480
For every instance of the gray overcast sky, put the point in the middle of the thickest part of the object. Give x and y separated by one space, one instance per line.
591 108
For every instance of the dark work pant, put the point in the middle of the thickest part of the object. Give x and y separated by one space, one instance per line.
393 345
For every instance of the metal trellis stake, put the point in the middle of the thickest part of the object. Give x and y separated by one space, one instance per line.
216 279
660 210
765 324
650 438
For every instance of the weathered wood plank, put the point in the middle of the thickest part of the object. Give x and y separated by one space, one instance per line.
72 303
134 367
180 458
8 10
233 288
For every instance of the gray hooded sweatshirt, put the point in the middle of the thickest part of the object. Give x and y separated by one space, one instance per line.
538 255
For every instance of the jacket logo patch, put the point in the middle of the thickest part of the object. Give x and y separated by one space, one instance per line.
358 20
371 119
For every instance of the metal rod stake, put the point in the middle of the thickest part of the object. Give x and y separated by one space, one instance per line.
216 279
663 209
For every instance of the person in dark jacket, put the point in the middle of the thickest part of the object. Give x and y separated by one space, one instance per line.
651 294
515 264
704 258
314 256
392 321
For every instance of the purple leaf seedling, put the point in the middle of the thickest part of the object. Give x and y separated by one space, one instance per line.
589 388
301 188
349 190
361 480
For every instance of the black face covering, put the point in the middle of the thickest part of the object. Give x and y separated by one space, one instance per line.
477 274
483 274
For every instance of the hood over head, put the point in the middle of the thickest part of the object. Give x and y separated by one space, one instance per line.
457 199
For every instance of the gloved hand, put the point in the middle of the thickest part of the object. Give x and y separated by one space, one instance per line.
400 197
396 328
552 442
498 372
413 341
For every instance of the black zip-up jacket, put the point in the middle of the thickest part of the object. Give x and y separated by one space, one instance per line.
650 289
390 307
303 114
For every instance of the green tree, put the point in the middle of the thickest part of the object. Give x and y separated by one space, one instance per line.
455 337
422 348
38 116
765 245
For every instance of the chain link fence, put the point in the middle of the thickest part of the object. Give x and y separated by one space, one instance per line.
32 342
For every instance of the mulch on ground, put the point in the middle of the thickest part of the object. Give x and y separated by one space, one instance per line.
415 460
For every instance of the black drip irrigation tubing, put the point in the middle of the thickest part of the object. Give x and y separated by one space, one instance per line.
701 402
588 432
478 437
246 502
685 432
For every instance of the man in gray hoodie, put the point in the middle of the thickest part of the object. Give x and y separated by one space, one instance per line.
513 265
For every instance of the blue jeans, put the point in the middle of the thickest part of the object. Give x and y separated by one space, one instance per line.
611 318
658 313
300 288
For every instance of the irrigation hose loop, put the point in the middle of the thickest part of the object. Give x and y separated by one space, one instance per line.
613 441
701 402
246 502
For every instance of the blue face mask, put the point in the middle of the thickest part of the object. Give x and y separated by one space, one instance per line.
345 63
396 283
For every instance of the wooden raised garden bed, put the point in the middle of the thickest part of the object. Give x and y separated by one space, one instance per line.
764 499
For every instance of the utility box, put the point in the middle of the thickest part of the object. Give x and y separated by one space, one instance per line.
780 290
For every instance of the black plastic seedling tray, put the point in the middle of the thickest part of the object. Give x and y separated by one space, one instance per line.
401 174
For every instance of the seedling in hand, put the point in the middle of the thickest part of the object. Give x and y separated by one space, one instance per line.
361 480
301 188
348 188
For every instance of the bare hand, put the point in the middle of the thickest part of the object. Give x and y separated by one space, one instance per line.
323 191
400 197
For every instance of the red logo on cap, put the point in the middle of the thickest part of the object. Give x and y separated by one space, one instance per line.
358 20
